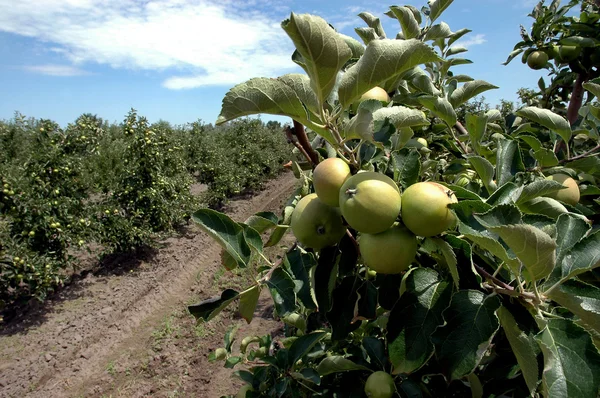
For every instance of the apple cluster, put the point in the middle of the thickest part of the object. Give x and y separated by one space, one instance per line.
387 221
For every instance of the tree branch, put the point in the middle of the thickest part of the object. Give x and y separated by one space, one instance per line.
504 287
300 133
583 155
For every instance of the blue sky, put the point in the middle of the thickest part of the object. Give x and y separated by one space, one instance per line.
175 59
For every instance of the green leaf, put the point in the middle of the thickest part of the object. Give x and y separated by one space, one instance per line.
355 46
367 34
400 116
415 317
484 169
325 278
302 345
262 221
439 31
593 88
373 22
324 51
570 229
209 308
469 90
548 119
571 361
406 166
252 238
582 257
248 302
533 142
535 249
410 25
471 323
336 364
299 264
476 127
523 346
276 235
457 35
383 60
546 157
342 313
508 160
538 188
580 298
307 374
437 7
545 206
300 83
441 107
228 233
282 289
450 258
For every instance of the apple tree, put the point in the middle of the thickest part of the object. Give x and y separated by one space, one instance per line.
433 258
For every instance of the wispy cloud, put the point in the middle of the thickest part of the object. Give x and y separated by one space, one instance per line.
196 42
56 70
472 41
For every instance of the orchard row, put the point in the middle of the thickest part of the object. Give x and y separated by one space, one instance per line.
113 186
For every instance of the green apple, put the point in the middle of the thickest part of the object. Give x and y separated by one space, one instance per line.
425 208
571 194
315 224
380 385
389 252
328 178
370 202
568 53
376 93
537 60
416 143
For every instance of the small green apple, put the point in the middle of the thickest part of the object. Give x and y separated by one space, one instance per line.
315 224
380 385
425 208
370 202
571 194
328 178
537 60
389 252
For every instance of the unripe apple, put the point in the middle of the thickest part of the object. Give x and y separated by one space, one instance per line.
380 385
570 195
315 224
568 53
376 93
537 60
389 252
370 202
243 391
425 208
328 178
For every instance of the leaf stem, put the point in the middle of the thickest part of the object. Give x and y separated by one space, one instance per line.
506 288
583 155
276 265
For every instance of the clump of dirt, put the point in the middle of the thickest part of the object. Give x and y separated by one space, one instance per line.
124 331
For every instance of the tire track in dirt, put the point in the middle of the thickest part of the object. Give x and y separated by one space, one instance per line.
103 316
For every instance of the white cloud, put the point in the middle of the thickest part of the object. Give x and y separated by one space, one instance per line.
56 70
472 41
195 42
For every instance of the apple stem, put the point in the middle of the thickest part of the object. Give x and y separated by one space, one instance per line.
350 191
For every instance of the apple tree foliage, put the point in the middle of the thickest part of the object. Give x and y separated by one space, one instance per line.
507 301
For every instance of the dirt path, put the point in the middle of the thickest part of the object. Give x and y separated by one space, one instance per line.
127 333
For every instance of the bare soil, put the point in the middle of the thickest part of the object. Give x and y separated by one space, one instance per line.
123 330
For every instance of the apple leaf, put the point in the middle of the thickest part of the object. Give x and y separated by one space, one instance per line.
415 317
373 22
383 60
437 7
582 257
229 234
508 160
302 345
336 364
406 166
469 90
580 298
484 169
535 249
571 361
283 291
299 265
546 157
471 323
570 228
323 50
209 308
366 34
476 127
523 346
400 116
300 83
439 31
248 302
440 106
450 258
593 88
507 194
408 22
545 206
538 188
548 119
